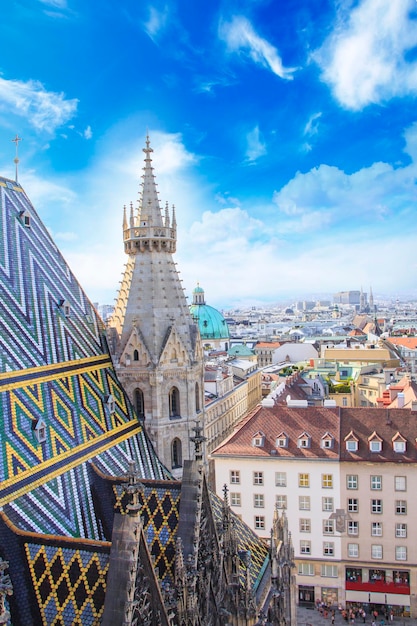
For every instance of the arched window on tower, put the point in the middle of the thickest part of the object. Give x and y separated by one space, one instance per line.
174 403
197 398
139 403
135 355
176 453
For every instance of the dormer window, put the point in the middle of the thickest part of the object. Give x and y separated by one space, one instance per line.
110 404
304 440
25 217
375 443
65 307
327 441
351 442
399 443
282 441
258 440
40 431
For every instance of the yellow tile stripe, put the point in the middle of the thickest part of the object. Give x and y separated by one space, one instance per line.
56 371
109 440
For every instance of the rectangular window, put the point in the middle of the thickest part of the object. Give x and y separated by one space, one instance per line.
401 507
305 525
353 505
399 446
304 503
353 550
235 477
329 571
375 445
352 444
258 500
401 530
376 506
328 548
376 551
351 481
306 569
353 528
280 479
258 478
281 502
327 481
376 529
400 483
259 522
400 553
376 483
235 499
328 527
304 480
305 547
327 504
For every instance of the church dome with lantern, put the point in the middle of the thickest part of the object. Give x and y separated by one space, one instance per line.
213 327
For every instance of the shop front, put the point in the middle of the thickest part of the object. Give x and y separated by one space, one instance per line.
305 595
379 590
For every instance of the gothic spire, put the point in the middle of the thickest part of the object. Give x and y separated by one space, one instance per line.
149 208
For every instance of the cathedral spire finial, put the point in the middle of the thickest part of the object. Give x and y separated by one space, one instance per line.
16 159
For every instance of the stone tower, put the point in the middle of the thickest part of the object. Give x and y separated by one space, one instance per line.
153 339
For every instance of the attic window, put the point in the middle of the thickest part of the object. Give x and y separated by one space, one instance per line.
327 441
304 441
65 306
351 445
282 441
40 431
111 404
258 440
375 443
351 442
399 444
25 216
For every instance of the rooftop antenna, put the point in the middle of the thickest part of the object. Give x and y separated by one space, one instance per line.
16 159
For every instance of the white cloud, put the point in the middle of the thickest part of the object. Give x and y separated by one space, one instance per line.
255 146
322 226
88 133
240 36
156 22
42 109
312 126
58 4
364 60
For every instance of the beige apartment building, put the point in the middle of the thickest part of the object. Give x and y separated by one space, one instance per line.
344 477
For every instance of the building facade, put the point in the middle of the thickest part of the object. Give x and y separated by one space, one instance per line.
343 477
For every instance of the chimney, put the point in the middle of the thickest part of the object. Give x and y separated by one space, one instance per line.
400 400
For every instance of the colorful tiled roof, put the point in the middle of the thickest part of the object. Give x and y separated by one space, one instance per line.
56 374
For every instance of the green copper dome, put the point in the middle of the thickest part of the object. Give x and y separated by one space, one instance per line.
211 322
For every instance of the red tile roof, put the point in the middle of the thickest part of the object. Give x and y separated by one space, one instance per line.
317 421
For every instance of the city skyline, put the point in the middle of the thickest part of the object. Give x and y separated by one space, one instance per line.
285 134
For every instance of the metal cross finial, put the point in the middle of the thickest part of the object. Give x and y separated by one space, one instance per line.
16 159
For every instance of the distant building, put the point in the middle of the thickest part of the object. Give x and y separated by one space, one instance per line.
347 297
213 327
264 351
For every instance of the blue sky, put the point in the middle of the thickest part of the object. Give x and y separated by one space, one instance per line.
285 134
